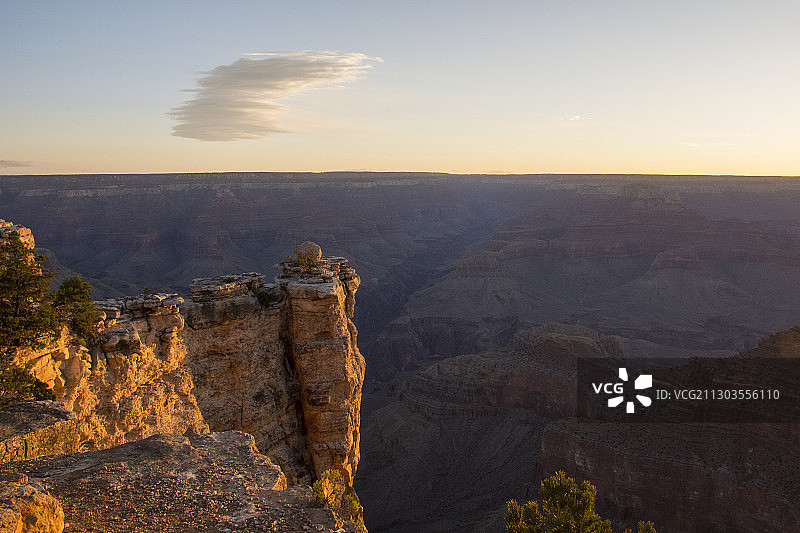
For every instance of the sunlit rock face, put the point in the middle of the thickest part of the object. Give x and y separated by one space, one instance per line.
27 507
280 361
131 385
320 341
32 429
24 233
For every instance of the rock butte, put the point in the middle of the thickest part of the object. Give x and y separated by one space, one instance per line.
278 361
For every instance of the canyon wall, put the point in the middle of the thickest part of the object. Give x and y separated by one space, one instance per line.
453 264
280 361
710 478
466 431
276 360
735 474
133 384
474 431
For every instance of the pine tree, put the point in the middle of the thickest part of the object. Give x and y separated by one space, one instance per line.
26 314
26 318
30 316
74 306
566 508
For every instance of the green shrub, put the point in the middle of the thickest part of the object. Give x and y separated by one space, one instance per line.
307 255
18 385
329 489
332 492
74 305
566 508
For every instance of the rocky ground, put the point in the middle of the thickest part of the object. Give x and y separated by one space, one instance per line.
170 483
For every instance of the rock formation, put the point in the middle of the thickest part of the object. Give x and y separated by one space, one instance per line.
477 430
26 507
133 384
320 340
466 431
279 361
210 482
736 475
32 429
24 233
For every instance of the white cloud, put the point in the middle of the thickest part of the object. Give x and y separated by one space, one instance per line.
574 118
241 100
10 163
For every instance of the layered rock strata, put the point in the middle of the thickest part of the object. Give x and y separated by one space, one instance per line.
477 430
714 478
32 429
280 361
536 371
243 379
133 384
465 432
739 476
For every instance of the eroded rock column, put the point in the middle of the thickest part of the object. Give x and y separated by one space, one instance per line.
320 340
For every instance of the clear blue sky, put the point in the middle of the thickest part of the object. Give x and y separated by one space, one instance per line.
706 87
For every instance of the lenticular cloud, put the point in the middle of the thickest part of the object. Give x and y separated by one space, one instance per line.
241 100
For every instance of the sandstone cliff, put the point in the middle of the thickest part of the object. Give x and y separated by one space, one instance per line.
133 384
280 361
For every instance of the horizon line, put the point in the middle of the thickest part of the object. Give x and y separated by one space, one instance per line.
427 172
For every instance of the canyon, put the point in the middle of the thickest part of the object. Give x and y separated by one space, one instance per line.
473 289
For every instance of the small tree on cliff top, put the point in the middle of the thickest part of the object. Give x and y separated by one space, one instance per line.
566 508
307 255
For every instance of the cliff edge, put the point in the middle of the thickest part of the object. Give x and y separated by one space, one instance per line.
276 360
280 361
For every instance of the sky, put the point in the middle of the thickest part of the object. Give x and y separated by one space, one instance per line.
559 86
